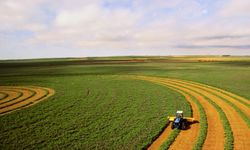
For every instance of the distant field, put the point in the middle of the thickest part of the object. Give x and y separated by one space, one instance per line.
98 104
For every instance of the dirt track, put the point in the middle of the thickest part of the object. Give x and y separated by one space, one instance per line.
19 97
215 138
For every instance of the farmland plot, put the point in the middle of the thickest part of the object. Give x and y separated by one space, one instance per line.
227 117
96 106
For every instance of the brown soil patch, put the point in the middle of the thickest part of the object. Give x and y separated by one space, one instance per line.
28 97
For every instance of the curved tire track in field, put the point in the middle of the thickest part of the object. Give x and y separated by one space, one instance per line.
241 131
19 97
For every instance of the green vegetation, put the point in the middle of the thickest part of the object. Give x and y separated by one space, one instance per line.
226 125
242 114
203 126
170 139
92 112
94 108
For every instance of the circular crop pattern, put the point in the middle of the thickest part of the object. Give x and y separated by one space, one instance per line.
14 98
224 117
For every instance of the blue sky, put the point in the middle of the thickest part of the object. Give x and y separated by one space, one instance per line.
79 28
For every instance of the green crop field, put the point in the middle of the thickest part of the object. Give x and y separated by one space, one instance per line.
99 105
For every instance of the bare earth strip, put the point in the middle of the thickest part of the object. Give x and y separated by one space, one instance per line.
239 127
30 96
215 136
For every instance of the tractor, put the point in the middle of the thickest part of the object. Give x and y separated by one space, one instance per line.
179 121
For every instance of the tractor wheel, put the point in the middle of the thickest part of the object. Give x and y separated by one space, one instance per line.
183 125
172 125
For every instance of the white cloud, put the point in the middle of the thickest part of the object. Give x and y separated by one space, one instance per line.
236 8
157 25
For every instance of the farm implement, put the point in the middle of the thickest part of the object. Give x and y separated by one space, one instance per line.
180 122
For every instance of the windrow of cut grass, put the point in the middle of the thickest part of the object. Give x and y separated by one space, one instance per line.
199 130
11 95
170 139
240 99
232 116
165 139
3 95
160 138
226 125
229 139
241 107
23 97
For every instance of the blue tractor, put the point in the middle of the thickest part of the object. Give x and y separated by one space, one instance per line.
180 122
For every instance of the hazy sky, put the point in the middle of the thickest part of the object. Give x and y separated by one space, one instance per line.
76 28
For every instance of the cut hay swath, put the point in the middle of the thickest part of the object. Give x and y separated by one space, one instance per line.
227 127
19 97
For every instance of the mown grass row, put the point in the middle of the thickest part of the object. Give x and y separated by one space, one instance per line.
38 99
33 94
203 123
4 95
203 126
45 95
221 91
230 95
226 125
19 95
170 139
23 99
242 114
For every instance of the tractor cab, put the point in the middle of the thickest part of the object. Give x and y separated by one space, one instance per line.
179 121
179 114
